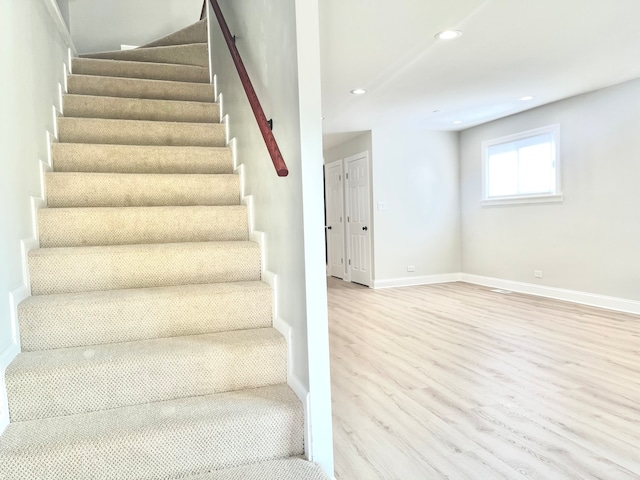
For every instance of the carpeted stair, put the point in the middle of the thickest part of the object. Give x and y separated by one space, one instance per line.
148 350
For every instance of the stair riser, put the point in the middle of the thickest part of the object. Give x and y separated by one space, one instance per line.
104 190
83 106
193 54
136 88
72 227
129 315
111 268
130 132
160 370
169 448
70 157
151 71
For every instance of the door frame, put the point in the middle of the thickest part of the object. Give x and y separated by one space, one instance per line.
347 212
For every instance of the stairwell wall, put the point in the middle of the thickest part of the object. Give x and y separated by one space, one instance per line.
279 44
35 49
104 26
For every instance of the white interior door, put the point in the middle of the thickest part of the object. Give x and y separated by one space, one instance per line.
334 194
358 219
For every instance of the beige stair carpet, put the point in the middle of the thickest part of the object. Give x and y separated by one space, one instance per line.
145 70
192 54
148 351
140 132
45 384
87 106
88 189
97 158
113 267
91 318
158 440
76 227
139 88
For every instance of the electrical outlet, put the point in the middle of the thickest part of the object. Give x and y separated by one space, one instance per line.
537 273
411 268
382 206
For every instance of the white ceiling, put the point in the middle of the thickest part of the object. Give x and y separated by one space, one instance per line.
551 49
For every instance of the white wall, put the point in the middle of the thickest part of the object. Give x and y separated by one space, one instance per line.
416 174
279 43
34 49
359 144
591 241
98 26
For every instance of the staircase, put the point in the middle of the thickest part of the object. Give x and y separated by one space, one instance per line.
147 346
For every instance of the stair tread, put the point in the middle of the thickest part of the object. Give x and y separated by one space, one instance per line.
94 226
128 87
245 426
43 384
186 54
123 121
114 353
91 189
281 469
142 101
89 318
102 249
107 158
139 81
140 132
99 106
116 267
144 70
129 295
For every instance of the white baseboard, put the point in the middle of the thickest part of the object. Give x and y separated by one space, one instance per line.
574 296
413 281
16 296
6 357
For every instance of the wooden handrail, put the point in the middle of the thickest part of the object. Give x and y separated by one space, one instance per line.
263 123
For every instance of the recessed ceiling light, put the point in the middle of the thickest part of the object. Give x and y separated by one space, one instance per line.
448 34
359 91
457 122
526 98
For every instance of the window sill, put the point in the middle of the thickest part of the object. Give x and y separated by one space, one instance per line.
523 199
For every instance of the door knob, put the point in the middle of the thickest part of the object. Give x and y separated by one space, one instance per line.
365 228
329 228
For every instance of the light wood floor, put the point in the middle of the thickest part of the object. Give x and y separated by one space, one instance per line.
455 381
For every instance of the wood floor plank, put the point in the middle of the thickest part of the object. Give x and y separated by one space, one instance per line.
456 381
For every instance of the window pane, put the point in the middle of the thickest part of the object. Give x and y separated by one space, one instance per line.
503 174
536 170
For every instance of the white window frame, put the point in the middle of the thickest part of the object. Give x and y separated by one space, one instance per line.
555 196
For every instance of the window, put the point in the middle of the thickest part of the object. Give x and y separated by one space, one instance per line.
522 168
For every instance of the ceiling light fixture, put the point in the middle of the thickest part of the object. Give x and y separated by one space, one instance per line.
359 91
448 34
526 98
457 122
